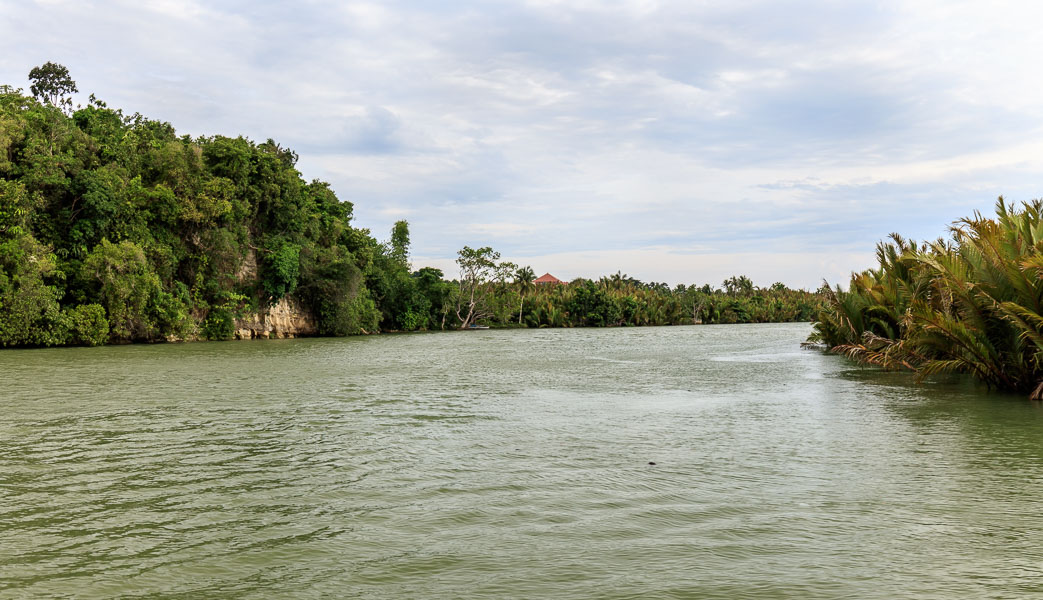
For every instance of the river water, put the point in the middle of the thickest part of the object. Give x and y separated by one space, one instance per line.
511 464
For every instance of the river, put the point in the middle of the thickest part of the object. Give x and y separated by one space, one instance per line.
511 464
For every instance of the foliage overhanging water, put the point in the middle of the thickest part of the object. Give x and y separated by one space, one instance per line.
511 464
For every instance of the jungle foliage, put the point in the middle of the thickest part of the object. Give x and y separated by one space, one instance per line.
970 304
500 294
113 228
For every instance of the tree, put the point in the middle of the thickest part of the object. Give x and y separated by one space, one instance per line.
400 243
524 278
590 306
740 285
29 311
280 270
438 292
52 84
126 284
477 267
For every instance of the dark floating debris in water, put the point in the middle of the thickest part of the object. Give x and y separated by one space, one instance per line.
651 463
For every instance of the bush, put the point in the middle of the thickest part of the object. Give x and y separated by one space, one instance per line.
170 312
219 325
88 325
412 321
281 270
126 284
29 310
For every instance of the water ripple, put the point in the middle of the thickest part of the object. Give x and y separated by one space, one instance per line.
510 464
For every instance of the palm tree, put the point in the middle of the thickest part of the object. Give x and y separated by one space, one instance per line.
970 305
524 278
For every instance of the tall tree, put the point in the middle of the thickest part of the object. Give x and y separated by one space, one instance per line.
399 244
524 278
52 84
477 268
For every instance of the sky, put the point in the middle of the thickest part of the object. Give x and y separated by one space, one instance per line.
681 142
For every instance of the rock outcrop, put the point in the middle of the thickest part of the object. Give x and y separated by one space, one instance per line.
287 319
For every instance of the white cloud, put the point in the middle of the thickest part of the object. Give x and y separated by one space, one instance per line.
652 134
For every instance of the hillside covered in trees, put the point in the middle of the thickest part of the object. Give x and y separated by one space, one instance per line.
113 228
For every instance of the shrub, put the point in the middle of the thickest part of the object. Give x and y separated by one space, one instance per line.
219 325
88 325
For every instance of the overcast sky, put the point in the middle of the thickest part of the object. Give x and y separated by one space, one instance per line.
675 141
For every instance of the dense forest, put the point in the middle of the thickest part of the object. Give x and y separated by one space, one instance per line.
970 304
113 228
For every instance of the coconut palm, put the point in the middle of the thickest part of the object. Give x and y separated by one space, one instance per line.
524 278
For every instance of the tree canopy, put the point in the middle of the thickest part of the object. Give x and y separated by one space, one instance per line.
52 84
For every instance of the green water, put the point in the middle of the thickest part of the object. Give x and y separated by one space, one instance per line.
510 464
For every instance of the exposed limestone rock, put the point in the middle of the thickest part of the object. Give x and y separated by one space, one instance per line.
248 268
287 319
284 320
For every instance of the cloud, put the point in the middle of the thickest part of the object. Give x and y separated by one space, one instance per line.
373 130
594 136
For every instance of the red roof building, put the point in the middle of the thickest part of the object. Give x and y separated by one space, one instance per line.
547 279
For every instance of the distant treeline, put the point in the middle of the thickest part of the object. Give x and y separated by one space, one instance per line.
500 294
971 304
113 228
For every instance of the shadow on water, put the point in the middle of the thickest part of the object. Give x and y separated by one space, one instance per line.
952 398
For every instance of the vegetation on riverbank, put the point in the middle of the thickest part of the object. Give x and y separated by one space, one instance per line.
972 304
113 229
616 300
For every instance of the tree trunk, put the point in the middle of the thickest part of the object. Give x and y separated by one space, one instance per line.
465 322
